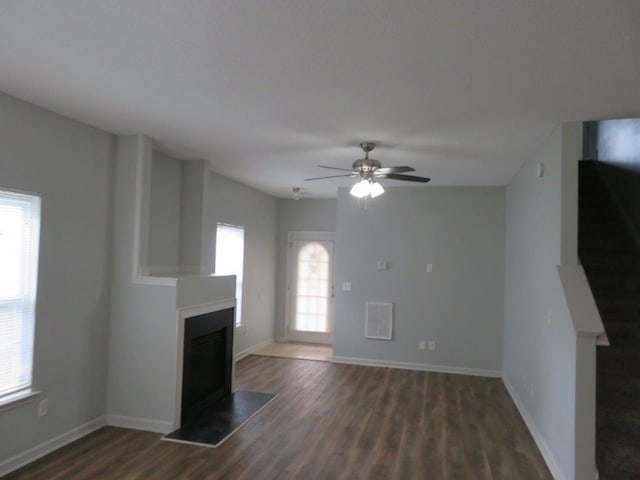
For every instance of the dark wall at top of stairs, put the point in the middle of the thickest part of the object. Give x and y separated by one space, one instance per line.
618 153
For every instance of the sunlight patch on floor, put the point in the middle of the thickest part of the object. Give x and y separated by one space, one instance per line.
303 351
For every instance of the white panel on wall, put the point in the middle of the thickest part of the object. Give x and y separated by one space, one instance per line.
379 320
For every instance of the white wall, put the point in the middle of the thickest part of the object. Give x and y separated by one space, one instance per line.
545 363
311 215
71 165
459 305
237 204
195 257
142 337
164 213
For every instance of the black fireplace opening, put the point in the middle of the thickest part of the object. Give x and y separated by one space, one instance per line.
207 361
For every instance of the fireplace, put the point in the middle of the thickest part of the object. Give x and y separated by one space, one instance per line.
207 361
207 410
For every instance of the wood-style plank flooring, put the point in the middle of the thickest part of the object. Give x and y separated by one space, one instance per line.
330 421
304 351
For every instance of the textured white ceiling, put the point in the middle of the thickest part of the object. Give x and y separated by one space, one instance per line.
463 90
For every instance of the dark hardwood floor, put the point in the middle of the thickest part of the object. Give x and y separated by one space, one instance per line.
330 421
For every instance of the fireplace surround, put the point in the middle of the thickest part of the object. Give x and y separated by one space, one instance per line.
201 320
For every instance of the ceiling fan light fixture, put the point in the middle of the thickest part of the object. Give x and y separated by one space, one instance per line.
376 189
361 189
365 188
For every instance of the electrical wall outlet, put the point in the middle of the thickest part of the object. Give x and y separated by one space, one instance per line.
43 407
432 345
429 267
422 345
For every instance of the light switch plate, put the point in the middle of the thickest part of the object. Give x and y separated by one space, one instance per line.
43 407
346 286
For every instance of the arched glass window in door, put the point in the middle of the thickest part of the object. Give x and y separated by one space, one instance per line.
313 289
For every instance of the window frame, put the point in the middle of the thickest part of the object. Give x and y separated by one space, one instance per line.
26 296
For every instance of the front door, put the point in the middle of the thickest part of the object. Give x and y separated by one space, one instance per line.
310 288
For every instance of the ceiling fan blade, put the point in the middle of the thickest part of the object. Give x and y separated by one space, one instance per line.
336 168
330 176
406 178
385 170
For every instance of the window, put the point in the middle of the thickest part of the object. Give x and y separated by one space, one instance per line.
19 236
230 258
312 287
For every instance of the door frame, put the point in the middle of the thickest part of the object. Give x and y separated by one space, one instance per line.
307 236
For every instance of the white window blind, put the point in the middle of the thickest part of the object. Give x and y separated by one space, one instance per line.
230 258
19 237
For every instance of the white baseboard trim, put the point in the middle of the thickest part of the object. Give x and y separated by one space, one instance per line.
418 366
48 446
546 452
136 423
250 350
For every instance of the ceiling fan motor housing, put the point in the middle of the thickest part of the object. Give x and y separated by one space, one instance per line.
365 167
